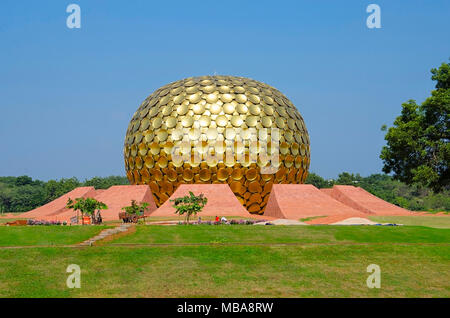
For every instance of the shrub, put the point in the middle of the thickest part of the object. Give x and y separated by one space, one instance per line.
43 222
135 208
189 205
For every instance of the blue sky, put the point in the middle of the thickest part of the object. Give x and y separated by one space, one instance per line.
67 95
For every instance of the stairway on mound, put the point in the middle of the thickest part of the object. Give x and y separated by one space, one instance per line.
363 201
296 201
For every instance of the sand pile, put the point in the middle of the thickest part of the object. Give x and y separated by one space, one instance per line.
355 221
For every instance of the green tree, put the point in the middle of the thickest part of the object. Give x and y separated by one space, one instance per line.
20 194
346 178
55 189
135 208
189 205
86 206
6 195
318 181
23 180
106 182
26 198
418 148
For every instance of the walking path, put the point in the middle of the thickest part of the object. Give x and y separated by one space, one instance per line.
107 233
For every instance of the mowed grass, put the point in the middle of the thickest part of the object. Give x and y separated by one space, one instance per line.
181 234
228 271
323 261
421 220
46 235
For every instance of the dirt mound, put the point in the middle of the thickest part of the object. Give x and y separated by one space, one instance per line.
296 201
58 205
221 201
115 198
363 201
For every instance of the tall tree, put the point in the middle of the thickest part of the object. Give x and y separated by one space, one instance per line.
106 182
86 206
418 148
55 189
317 181
346 178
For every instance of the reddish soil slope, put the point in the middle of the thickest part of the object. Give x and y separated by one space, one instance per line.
221 201
296 201
58 205
115 198
363 201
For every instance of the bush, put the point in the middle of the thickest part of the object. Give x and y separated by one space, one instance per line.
43 222
189 205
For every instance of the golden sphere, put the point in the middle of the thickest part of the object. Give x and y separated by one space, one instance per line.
217 129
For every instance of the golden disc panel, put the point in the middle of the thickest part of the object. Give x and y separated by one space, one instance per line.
195 131
222 174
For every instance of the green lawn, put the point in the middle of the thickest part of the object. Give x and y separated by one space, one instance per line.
421 220
228 271
46 235
284 234
327 261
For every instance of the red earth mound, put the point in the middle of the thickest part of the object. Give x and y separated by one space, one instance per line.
296 201
58 205
115 198
221 201
363 201
289 201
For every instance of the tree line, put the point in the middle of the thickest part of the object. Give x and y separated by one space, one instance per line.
21 194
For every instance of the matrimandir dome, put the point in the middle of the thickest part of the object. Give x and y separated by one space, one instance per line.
217 129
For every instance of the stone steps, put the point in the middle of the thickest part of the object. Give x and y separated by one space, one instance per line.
105 233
